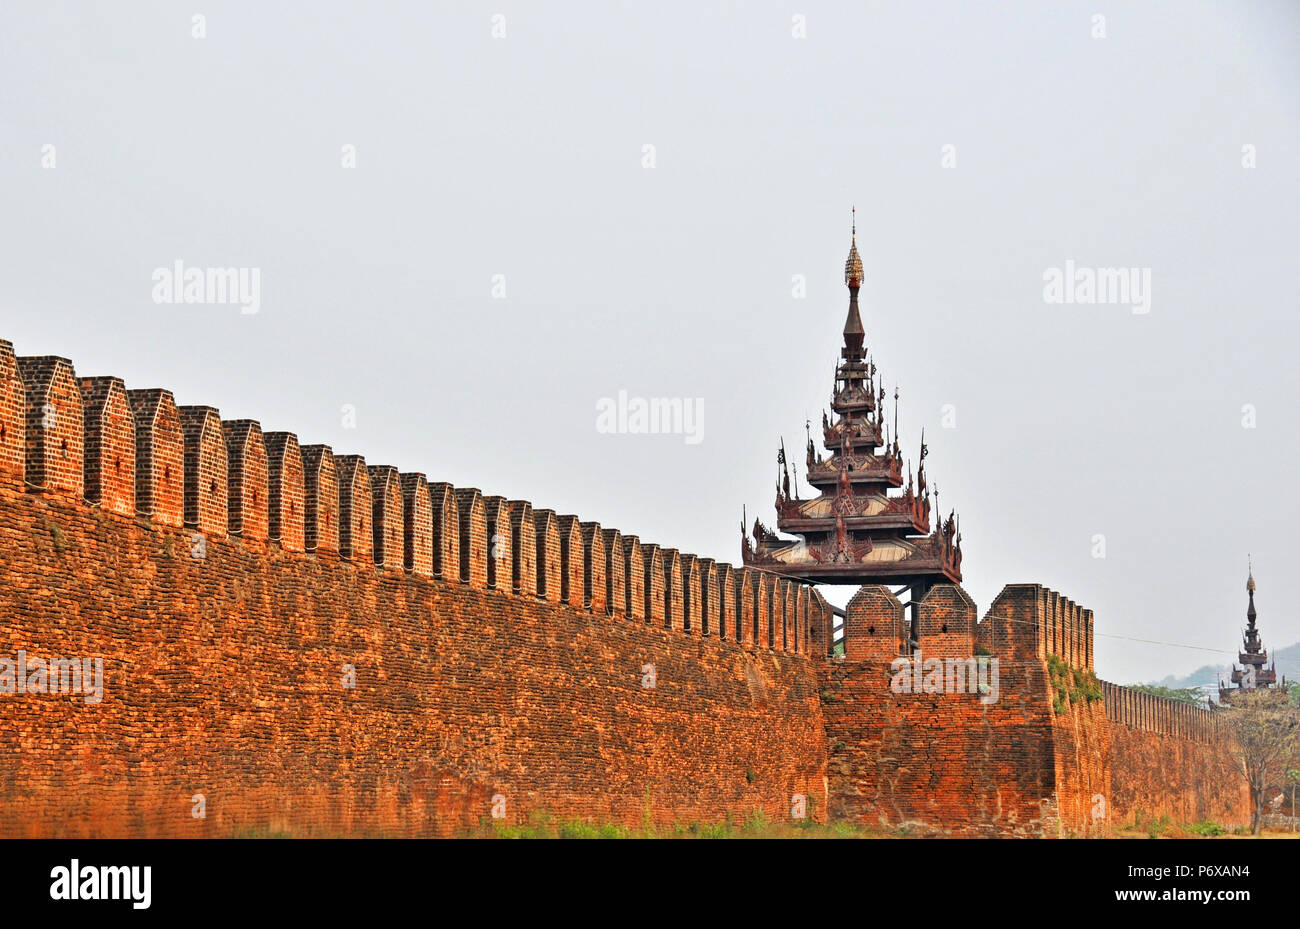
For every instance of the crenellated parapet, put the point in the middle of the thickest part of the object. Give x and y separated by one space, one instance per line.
1136 709
1032 621
136 453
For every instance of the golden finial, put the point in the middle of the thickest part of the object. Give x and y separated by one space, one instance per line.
1250 577
853 265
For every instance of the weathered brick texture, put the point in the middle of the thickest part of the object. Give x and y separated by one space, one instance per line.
460 694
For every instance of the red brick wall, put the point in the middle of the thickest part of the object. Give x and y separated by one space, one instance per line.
257 720
945 763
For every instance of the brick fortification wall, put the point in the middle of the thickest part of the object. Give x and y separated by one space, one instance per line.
1059 753
1167 760
303 643
230 626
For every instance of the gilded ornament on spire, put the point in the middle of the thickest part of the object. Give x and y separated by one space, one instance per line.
853 265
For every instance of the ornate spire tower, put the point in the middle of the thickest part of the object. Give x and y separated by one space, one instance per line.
1252 673
855 531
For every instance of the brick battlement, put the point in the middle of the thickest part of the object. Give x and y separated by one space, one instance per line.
1031 621
1138 710
133 452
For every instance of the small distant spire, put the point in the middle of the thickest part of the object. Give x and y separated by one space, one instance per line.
1250 576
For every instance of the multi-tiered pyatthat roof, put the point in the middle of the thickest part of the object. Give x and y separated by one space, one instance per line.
854 531
1252 673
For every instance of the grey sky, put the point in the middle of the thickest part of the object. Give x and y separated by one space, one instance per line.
522 156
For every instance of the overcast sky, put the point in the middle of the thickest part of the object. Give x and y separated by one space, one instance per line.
525 156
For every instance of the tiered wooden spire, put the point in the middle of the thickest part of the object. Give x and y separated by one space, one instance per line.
854 531
1253 658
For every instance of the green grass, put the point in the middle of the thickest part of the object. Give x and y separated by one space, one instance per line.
755 825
